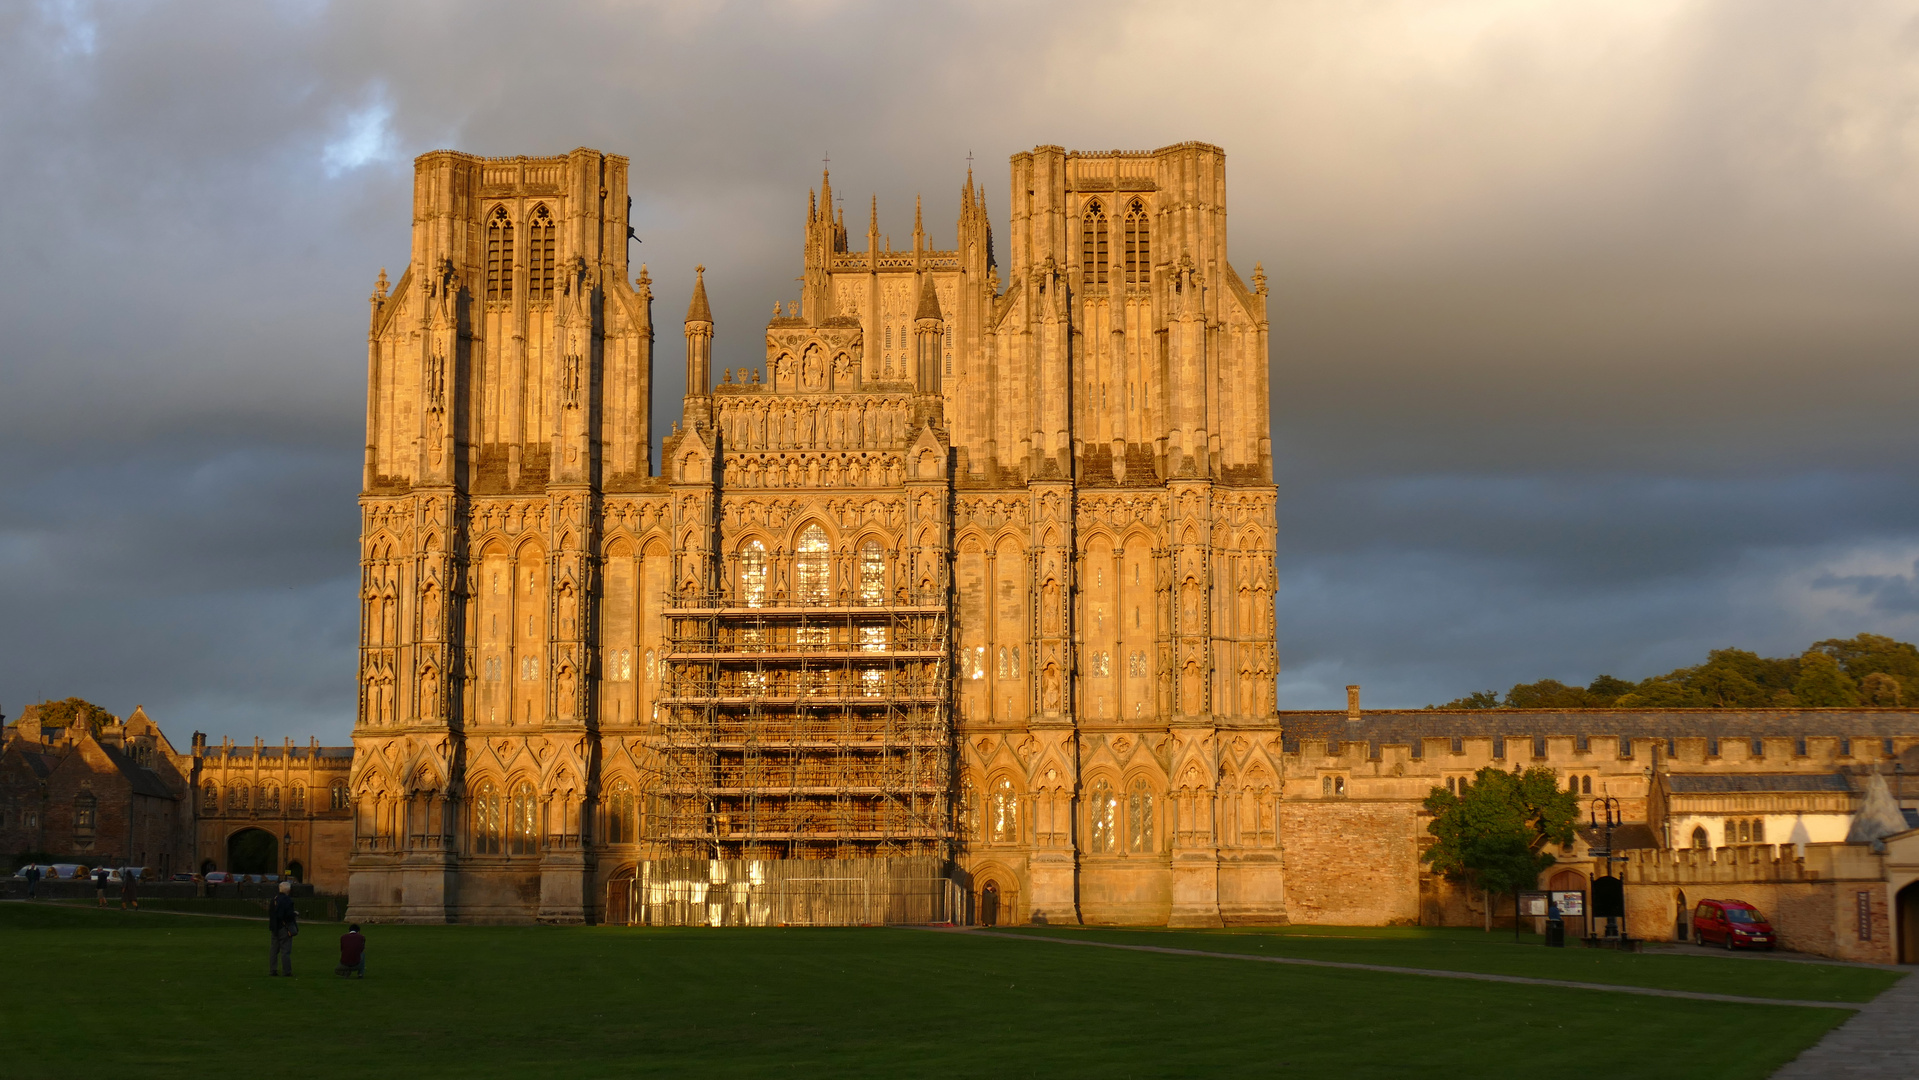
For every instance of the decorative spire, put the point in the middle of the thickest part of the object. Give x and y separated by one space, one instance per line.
699 310
873 221
643 284
812 208
929 300
379 287
919 230
1259 278
826 192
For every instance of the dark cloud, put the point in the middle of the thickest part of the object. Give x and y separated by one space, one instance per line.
1593 324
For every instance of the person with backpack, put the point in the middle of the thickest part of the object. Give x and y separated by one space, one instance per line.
283 922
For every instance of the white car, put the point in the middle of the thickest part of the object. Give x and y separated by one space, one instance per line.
45 872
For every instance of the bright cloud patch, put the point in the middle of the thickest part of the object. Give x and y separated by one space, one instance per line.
365 138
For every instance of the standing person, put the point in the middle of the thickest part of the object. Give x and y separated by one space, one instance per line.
129 890
352 952
283 922
33 880
100 885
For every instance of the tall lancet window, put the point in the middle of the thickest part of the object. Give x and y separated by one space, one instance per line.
499 255
1139 244
811 566
1093 242
539 254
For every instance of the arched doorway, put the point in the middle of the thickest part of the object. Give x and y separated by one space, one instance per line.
1906 915
989 904
253 851
296 872
619 898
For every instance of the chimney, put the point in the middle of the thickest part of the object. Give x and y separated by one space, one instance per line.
1352 702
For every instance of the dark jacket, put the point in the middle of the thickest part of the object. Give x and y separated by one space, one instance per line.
282 917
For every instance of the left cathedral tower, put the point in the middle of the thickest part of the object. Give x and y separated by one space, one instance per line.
509 373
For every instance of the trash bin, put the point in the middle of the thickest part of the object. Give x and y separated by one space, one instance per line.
1555 933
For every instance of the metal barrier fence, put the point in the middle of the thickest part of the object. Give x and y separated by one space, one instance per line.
785 892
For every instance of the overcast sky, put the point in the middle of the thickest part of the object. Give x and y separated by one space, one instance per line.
1595 325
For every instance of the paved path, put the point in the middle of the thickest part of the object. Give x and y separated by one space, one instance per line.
1472 976
1880 1041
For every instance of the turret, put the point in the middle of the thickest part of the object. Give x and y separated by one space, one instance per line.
699 351
928 326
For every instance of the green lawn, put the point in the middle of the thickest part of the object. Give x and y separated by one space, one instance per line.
153 994
1496 954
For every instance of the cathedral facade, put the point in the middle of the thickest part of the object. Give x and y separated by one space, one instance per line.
975 586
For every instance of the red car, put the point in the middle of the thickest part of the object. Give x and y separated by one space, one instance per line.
1732 923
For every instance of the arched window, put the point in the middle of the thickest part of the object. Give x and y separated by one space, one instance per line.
1139 817
83 815
1002 813
810 567
1700 840
622 826
270 797
1138 238
337 795
237 797
487 829
1585 785
753 573
499 255
297 798
1339 785
1759 830
212 801
1745 832
539 251
872 573
522 821
1325 785
1103 809
968 810
1093 242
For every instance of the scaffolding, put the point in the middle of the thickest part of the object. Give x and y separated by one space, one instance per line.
808 731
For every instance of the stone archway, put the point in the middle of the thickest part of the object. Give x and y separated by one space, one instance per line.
1905 914
253 851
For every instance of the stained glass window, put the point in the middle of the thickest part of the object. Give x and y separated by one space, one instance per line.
1139 817
1104 809
522 824
1002 813
753 573
811 568
486 819
872 573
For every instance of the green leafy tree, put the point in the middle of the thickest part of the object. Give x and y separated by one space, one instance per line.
1605 690
74 712
1492 835
1478 699
1823 683
1661 694
1873 654
1547 694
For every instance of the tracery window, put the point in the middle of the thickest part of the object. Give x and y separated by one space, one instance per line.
237 797
1102 664
1104 809
753 573
1759 830
1093 243
487 828
1585 785
622 825
810 566
522 821
297 798
1136 665
872 573
872 638
622 665
539 276
499 255
969 810
1002 813
1139 817
270 797
1138 240
873 682
212 798
529 669
337 795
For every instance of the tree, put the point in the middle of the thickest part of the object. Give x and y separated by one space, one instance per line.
1822 683
73 712
1493 833
1547 694
1605 690
1873 654
1478 699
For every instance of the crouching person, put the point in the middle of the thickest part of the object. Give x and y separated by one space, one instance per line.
352 952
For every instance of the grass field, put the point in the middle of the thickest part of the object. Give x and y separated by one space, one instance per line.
156 994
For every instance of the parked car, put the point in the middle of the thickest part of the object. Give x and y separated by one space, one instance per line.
221 877
45 872
66 871
1733 924
184 876
137 873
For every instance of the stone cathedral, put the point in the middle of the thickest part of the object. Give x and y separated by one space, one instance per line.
964 610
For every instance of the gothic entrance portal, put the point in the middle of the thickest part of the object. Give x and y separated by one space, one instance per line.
989 904
253 851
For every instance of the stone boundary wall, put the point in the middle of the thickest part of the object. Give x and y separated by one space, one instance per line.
1812 902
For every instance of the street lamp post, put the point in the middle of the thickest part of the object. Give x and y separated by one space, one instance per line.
1605 811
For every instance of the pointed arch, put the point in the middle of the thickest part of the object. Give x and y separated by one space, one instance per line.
499 255
1136 234
812 565
1093 244
539 253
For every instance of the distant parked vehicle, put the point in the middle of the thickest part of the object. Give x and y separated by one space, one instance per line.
67 871
183 876
221 877
1733 924
137 873
45 871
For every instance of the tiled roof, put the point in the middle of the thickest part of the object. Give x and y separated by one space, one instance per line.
142 781
1690 784
1404 725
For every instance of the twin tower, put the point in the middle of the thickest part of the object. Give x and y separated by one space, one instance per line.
970 599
